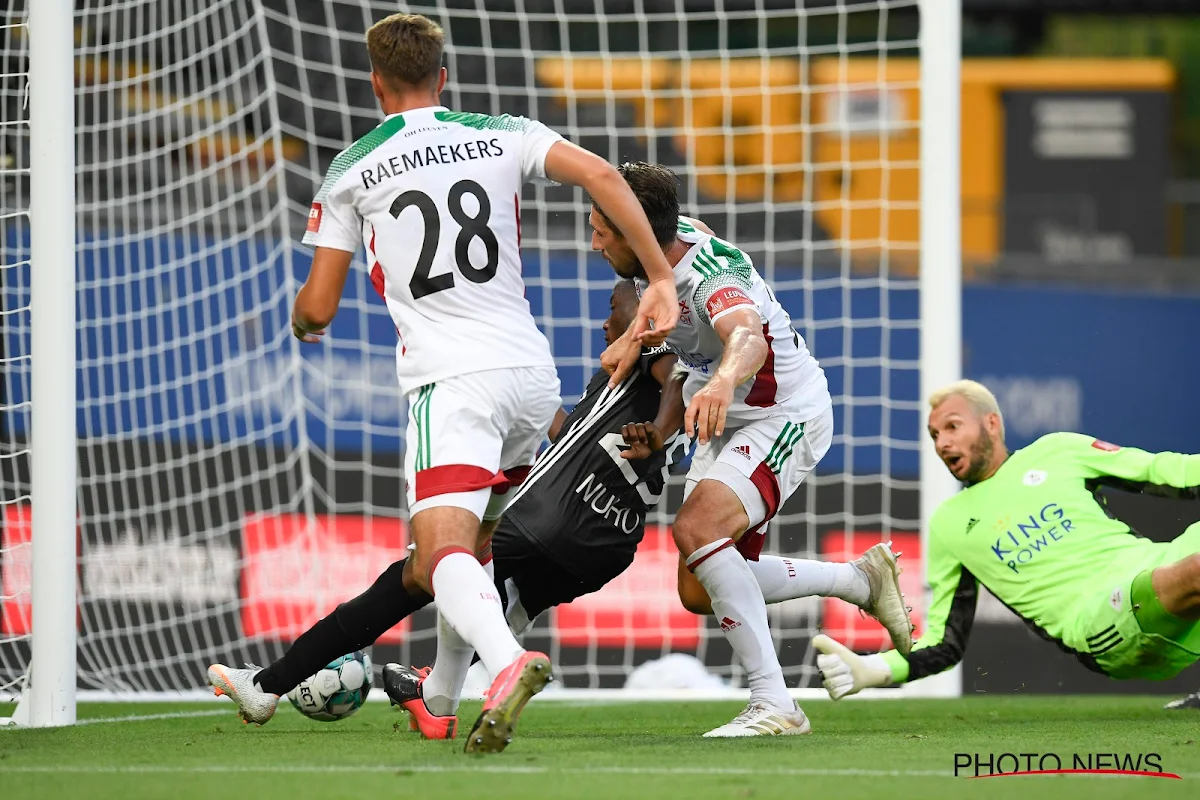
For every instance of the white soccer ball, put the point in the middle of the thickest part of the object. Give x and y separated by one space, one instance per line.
337 690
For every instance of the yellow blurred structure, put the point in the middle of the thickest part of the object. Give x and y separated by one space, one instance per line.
843 140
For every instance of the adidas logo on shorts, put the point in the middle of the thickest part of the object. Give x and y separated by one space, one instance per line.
728 624
742 449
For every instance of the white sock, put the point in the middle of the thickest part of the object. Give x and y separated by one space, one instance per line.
738 604
469 601
443 688
788 578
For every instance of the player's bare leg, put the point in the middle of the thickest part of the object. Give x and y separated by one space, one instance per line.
1177 587
705 529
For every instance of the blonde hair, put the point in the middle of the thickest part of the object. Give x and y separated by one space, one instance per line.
978 396
406 49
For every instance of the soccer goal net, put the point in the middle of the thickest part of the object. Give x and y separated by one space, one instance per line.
235 485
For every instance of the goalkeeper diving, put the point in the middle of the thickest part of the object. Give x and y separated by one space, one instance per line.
1031 526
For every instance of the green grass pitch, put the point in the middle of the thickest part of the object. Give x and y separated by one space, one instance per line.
879 750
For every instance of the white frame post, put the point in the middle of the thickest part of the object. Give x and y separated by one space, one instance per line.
941 263
51 690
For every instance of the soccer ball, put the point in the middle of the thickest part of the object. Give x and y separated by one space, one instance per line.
336 691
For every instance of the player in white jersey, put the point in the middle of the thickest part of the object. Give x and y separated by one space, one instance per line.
434 195
761 407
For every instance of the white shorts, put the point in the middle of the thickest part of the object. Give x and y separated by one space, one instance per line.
763 461
472 438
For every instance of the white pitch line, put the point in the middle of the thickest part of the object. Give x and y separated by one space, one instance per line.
139 717
147 717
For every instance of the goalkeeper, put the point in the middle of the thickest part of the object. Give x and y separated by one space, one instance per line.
1031 527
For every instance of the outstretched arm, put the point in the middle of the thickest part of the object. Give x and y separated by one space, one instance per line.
1163 474
567 163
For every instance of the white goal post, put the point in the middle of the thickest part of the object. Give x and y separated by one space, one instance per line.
182 482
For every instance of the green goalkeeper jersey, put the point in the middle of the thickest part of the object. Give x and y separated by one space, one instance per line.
1038 535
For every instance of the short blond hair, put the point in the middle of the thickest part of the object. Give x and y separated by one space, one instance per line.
406 49
978 396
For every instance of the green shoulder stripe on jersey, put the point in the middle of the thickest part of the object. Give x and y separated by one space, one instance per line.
686 227
736 259
704 264
483 122
356 152
718 257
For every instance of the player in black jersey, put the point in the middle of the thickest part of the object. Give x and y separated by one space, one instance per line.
574 525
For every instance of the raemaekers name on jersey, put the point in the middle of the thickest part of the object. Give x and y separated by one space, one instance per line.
427 156
600 499
1020 544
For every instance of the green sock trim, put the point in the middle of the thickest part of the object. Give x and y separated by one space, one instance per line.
1149 611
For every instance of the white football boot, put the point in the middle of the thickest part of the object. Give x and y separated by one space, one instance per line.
886 602
238 685
761 720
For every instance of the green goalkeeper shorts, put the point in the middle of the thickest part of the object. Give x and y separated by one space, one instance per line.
1113 636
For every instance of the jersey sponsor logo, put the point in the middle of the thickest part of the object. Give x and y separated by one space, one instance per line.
1022 543
314 218
742 450
685 313
726 298
971 523
1035 477
1100 444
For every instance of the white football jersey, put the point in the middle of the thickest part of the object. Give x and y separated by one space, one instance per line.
434 195
714 278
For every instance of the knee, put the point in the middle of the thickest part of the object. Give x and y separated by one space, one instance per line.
689 535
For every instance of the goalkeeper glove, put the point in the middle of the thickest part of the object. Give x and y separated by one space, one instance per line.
844 672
